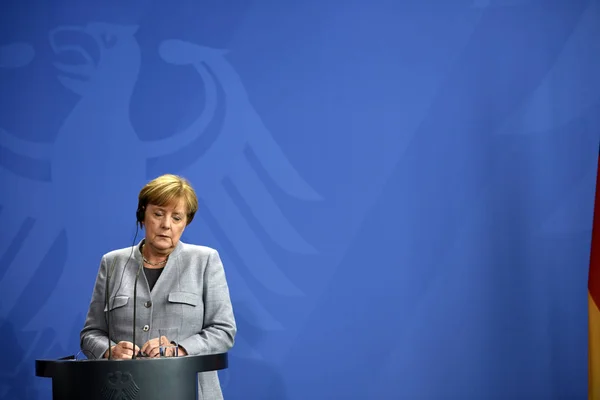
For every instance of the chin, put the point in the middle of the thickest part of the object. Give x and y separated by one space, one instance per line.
165 244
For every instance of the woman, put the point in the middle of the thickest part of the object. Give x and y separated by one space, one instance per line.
182 294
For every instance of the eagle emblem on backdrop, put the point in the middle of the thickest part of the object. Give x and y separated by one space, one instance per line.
226 148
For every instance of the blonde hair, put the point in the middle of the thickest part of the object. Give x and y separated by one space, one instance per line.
164 190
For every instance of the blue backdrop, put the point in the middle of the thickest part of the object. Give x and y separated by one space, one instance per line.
401 191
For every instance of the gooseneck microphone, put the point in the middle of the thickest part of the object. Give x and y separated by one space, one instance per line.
106 287
109 273
135 302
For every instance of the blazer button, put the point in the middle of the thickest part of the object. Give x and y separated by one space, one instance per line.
148 304
146 328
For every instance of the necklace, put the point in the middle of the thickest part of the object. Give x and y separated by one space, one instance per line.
153 264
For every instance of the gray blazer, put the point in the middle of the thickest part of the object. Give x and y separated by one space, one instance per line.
190 300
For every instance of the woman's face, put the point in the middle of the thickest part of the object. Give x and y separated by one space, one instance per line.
164 225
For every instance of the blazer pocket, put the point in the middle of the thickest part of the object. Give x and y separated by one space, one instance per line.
191 299
117 302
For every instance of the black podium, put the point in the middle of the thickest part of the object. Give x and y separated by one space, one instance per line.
142 378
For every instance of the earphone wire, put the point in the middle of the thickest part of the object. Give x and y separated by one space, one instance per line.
123 271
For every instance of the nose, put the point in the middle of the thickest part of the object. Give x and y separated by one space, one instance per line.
166 222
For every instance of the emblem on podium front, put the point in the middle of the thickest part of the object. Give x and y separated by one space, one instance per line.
119 386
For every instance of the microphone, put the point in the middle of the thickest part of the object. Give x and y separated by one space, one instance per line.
135 303
109 273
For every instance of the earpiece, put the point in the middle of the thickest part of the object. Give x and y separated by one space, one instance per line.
140 214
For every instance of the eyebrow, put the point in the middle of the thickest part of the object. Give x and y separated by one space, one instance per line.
159 208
